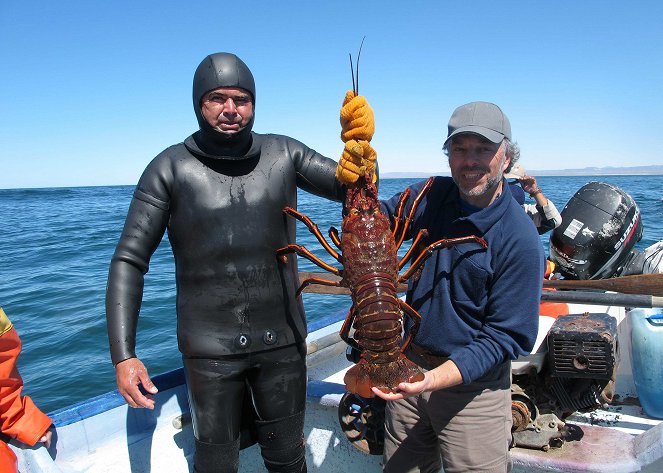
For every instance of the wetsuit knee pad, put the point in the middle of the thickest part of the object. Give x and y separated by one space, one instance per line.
282 443
216 457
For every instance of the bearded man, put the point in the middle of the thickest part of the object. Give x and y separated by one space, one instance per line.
479 307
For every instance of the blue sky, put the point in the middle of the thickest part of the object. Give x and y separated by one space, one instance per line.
91 91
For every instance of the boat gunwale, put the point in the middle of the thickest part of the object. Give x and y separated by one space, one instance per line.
171 379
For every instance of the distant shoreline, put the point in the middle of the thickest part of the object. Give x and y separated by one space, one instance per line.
634 171
589 172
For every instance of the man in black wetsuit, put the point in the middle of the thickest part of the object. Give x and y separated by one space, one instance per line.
241 330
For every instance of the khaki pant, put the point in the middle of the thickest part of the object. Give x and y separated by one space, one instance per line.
464 429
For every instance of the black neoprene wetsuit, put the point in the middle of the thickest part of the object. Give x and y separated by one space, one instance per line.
225 223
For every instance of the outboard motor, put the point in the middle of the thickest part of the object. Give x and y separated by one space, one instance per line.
600 226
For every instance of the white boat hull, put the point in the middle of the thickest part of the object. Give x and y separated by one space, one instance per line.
105 435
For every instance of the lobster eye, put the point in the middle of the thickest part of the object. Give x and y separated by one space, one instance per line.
354 211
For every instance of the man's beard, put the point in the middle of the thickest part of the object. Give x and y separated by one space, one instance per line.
491 183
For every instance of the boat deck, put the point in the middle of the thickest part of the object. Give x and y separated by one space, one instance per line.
104 435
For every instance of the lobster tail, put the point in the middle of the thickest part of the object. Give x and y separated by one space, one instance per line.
385 376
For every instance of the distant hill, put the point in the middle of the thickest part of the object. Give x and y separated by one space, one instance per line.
604 171
589 171
410 175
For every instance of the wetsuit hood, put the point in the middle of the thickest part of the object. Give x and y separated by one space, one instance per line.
222 70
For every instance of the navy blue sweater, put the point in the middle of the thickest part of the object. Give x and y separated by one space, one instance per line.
479 307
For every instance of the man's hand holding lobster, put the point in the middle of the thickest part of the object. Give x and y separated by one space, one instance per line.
357 128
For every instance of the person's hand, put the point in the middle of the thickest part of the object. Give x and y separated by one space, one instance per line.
46 438
357 119
357 159
357 128
528 184
408 389
129 374
442 377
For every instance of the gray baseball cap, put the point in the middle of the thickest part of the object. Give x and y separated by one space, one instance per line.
481 118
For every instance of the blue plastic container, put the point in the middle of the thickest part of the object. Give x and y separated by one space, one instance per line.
647 342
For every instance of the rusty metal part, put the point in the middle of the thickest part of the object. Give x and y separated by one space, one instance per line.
362 422
519 415
523 408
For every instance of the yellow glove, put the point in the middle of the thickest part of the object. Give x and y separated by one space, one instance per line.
357 120
357 128
357 159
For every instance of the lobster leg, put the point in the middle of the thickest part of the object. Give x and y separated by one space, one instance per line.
428 252
302 251
423 233
322 282
415 317
399 211
313 228
415 204
333 234
344 333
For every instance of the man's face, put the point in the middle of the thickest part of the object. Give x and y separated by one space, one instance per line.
477 166
227 109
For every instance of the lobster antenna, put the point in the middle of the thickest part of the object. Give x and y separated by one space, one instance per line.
358 55
352 71
355 85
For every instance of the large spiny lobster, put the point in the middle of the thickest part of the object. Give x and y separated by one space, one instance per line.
370 270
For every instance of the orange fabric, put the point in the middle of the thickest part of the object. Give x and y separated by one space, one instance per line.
554 309
7 459
5 323
19 417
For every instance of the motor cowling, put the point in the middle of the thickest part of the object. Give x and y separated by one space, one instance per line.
600 226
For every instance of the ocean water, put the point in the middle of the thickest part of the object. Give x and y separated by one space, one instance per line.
55 247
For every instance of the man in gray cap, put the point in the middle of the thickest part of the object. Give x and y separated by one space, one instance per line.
479 307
